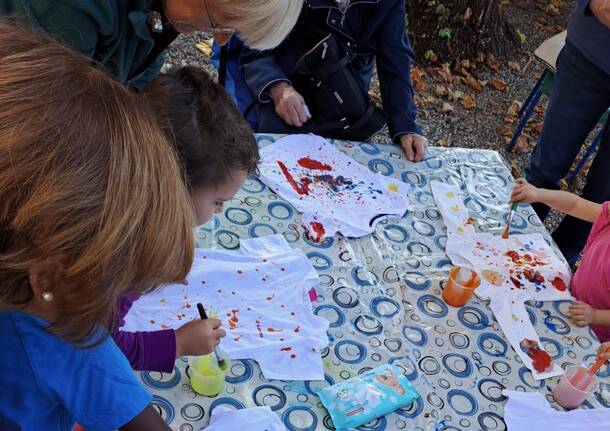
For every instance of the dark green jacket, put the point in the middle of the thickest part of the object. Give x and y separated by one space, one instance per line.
115 33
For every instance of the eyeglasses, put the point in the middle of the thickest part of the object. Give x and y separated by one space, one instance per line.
214 24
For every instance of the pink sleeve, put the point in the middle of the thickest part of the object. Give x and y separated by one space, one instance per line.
601 222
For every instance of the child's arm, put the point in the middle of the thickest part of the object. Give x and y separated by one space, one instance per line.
564 202
148 420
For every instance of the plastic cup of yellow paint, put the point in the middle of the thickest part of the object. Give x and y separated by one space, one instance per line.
207 378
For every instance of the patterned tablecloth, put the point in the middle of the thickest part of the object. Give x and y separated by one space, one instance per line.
382 297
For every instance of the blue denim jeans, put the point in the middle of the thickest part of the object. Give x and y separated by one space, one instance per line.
581 94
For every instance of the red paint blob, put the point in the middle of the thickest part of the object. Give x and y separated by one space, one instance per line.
559 284
319 230
297 329
286 349
308 163
540 360
533 276
301 188
293 356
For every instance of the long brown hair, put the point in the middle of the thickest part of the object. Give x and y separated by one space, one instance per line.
85 175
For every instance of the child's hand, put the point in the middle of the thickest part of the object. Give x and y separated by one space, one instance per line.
582 314
604 351
524 192
198 337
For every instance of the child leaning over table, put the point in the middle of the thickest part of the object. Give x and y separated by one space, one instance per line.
591 283
87 184
217 150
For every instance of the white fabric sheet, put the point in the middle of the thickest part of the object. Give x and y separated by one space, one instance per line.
512 271
333 191
526 411
261 295
253 419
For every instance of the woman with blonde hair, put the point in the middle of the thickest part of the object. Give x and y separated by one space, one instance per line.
129 37
92 207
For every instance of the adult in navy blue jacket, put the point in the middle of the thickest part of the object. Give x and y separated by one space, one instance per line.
581 94
371 30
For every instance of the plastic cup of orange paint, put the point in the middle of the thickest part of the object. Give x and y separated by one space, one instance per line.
458 290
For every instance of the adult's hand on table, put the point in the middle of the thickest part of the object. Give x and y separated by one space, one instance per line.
414 146
601 9
289 104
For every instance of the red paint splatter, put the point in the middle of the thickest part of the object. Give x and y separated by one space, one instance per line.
506 233
258 328
237 338
319 230
559 284
233 319
240 272
274 330
281 339
285 349
297 329
265 261
153 322
293 356
301 188
283 269
188 305
516 282
292 313
270 298
264 279
202 281
540 360
525 259
469 220
533 276
308 163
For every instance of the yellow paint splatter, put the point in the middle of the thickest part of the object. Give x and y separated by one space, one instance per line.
515 318
456 208
450 194
461 229
393 187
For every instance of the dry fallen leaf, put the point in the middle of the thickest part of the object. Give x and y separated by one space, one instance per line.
474 83
551 9
492 62
205 46
498 84
536 128
465 64
506 133
444 142
513 65
375 98
479 57
417 76
441 91
446 107
524 143
468 102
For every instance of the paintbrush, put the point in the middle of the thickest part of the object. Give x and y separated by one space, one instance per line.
513 208
219 358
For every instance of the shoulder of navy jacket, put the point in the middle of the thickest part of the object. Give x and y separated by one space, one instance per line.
332 4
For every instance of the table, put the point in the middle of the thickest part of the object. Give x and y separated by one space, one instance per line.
382 297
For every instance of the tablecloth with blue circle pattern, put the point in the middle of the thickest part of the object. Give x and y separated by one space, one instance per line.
382 297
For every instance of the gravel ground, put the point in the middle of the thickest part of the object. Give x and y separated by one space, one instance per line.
482 126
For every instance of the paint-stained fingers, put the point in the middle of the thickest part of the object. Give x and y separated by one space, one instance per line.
406 142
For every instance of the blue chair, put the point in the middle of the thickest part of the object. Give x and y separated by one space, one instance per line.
547 53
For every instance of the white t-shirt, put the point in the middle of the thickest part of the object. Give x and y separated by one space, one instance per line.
253 419
261 295
334 192
514 270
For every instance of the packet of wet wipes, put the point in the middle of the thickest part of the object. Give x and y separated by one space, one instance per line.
370 395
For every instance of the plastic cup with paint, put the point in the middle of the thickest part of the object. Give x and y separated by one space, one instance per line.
207 378
567 394
460 286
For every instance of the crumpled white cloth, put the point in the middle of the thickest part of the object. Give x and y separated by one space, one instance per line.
254 419
527 411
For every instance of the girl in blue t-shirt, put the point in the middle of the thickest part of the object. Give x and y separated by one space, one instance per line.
92 207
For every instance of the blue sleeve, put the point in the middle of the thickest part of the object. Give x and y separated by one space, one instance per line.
394 59
96 386
260 71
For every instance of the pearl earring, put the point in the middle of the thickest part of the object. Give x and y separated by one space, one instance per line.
47 296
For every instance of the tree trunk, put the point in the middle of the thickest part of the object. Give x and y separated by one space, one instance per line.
460 27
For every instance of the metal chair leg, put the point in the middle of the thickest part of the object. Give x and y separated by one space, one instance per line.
572 176
524 119
533 92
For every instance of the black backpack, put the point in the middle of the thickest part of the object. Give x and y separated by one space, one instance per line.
339 106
